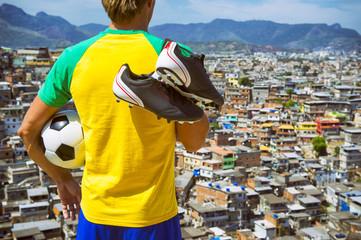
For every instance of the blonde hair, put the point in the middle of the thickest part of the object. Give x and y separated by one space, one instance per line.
123 11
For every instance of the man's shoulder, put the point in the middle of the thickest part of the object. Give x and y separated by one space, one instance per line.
83 45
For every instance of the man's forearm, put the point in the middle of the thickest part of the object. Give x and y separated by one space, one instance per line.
35 119
36 153
193 135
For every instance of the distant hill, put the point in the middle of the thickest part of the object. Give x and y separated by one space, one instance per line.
19 29
94 28
309 36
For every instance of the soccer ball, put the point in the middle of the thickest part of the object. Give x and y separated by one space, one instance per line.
63 140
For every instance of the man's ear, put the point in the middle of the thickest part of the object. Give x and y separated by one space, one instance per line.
151 3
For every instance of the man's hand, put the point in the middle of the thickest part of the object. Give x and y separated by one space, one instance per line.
70 196
193 136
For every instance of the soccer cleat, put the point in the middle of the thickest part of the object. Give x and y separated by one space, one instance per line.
147 92
188 76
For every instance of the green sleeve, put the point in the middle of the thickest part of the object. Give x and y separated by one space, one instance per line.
55 92
185 52
158 45
56 89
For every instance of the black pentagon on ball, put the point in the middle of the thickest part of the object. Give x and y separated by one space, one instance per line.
65 152
59 123
42 144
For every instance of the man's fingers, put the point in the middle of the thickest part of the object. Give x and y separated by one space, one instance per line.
72 211
64 209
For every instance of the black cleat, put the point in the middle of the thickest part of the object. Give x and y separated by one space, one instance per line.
187 75
155 96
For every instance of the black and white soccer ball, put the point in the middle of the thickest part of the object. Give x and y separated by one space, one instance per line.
63 140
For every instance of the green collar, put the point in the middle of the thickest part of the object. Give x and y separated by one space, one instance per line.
113 31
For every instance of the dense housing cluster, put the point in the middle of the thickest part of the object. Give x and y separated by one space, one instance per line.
282 159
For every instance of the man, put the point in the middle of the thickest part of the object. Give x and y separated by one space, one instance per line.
128 187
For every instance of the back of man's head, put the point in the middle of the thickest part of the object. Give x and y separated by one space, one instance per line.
123 11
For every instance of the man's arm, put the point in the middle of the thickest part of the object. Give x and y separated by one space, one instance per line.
35 119
193 135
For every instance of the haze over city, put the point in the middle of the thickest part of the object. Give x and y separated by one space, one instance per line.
194 11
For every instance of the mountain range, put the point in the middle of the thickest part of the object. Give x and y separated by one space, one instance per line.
19 29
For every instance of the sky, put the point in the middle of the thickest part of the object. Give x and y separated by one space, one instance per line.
79 12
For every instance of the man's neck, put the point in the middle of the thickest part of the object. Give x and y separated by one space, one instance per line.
129 26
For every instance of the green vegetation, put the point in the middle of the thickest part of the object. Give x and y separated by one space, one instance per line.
336 151
288 73
289 103
289 91
245 81
215 126
305 69
319 146
324 209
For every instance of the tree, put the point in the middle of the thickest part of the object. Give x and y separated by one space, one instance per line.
305 69
216 126
288 73
336 151
324 209
289 91
289 103
245 81
319 146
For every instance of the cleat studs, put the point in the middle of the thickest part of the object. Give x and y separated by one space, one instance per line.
191 123
168 121
180 122
131 105
118 100
159 117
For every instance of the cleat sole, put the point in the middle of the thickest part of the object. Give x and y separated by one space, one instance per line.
172 79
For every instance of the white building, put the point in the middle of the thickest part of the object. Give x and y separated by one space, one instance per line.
350 157
263 229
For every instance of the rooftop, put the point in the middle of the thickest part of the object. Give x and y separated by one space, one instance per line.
219 150
206 207
43 225
272 199
308 200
